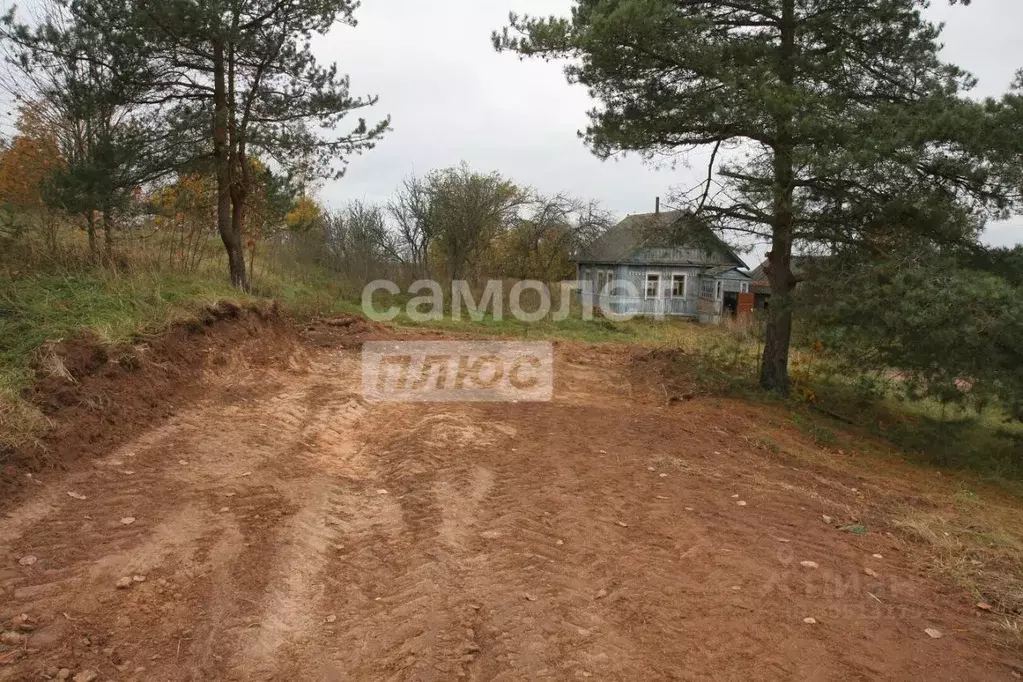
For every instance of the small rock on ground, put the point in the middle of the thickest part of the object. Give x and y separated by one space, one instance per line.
933 634
123 583
11 638
810 621
809 564
85 676
27 560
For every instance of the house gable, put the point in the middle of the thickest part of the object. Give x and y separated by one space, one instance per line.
663 239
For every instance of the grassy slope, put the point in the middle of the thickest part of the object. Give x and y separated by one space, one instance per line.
115 306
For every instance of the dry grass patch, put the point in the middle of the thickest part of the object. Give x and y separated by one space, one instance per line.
966 529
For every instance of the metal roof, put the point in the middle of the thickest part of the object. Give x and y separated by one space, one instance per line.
668 238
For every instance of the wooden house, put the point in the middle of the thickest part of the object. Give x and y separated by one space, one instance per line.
662 264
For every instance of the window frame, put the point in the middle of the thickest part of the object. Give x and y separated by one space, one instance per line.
685 284
719 290
657 288
706 288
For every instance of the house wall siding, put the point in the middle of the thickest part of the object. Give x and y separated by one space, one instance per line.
637 275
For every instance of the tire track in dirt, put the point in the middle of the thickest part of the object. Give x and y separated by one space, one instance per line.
291 532
404 609
196 488
325 444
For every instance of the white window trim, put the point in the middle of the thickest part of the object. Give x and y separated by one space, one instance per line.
719 290
609 280
646 286
685 284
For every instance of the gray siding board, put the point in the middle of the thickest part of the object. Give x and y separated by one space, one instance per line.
636 274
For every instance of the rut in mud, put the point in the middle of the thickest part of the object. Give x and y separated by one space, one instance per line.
284 529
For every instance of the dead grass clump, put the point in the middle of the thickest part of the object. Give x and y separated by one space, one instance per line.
21 425
975 549
49 363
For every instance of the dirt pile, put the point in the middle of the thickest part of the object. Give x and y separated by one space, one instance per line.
667 375
96 397
345 331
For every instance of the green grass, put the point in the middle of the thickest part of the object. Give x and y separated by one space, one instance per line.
49 304
573 327
979 442
41 306
950 437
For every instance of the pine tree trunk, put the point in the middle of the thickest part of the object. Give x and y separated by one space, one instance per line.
227 225
90 231
108 236
774 370
238 214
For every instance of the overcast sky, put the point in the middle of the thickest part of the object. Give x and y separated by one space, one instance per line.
452 98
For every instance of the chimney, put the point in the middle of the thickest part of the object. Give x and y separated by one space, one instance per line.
657 205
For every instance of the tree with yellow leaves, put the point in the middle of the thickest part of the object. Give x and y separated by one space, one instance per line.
26 167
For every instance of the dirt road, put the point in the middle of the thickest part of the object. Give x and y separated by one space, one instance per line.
281 528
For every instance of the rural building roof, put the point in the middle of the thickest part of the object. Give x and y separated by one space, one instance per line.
722 269
800 264
665 238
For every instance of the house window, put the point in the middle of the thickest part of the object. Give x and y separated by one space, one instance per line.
744 287
678 286
600 282
653 284
706 288
610 281
719 290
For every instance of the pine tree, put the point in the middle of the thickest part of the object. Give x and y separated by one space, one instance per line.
232 80
839 116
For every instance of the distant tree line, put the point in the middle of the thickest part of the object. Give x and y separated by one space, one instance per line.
457 223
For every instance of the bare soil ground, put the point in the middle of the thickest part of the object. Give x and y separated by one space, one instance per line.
274 526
